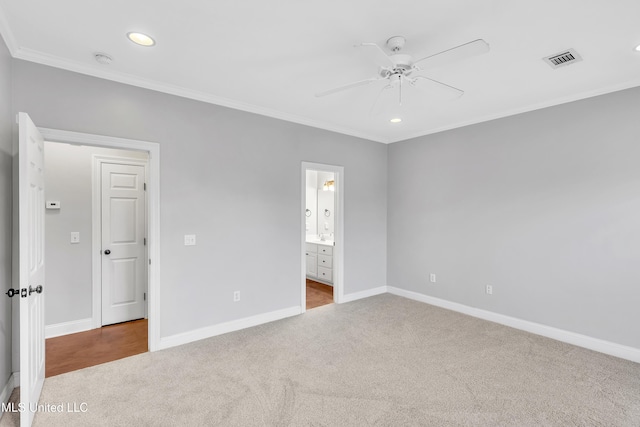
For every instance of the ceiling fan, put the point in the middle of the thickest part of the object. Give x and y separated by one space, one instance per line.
401 70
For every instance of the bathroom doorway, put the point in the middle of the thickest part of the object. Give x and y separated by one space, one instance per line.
322 235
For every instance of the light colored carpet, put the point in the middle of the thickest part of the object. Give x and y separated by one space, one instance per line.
384 361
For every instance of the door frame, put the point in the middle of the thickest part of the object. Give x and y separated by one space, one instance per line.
96 227
153 215
338 249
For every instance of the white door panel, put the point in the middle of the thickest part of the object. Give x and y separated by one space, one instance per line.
31 264
123 250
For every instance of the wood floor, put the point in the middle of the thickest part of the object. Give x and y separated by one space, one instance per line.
76 351
318 294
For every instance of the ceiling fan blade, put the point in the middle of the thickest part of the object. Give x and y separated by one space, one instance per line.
457 53
436 89
381 52
348 86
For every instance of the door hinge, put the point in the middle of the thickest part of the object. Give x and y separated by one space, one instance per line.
145 296
145 186
149 261
144 241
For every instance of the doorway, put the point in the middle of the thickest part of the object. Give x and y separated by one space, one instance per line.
96 233
322 231
150 151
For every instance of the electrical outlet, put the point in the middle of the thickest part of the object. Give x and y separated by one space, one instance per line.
75 237
189 239
489 290
432 278
236 296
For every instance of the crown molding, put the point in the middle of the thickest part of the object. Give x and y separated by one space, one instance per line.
54 61
533 107
129 79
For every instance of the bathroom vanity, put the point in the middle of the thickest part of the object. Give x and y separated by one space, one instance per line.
319 260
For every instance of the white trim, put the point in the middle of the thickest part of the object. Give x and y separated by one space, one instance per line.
595 344
338 248
7 389
153 195
364 294
96 223
226 327
525 109
66 328
198 95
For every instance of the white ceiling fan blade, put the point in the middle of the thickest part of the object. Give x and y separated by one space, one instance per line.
435 89
348 86
476 47
382 54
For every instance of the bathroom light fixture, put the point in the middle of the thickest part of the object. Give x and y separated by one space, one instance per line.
329 186
141 39
395 120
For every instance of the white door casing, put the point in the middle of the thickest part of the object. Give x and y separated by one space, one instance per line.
31 208
123 251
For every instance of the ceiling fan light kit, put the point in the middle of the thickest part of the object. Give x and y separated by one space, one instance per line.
400 70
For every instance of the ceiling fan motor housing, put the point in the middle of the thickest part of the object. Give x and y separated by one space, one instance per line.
402 62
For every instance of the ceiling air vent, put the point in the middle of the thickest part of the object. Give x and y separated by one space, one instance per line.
563 58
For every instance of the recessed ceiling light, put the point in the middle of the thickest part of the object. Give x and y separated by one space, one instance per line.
395 120
638 48
141 39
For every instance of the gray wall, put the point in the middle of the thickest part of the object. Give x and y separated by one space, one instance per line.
68 175
544 206
218 169
6 161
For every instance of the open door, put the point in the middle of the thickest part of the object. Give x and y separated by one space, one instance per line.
31 265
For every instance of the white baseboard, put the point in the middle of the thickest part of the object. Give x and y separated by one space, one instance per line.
595 344
363 294
223 328
7 389
66 328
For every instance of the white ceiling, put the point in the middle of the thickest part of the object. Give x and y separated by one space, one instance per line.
272 57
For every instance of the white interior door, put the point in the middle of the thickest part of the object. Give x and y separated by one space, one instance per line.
31 265
124 272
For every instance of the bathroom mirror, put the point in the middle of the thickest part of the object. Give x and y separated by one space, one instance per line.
320 201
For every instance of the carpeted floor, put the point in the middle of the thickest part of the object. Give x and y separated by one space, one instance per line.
384 361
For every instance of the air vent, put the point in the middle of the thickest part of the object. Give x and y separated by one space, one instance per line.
561 59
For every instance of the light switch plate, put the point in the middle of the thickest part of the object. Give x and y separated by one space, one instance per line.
189 239
75 237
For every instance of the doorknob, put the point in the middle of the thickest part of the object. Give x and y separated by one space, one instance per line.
107 251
